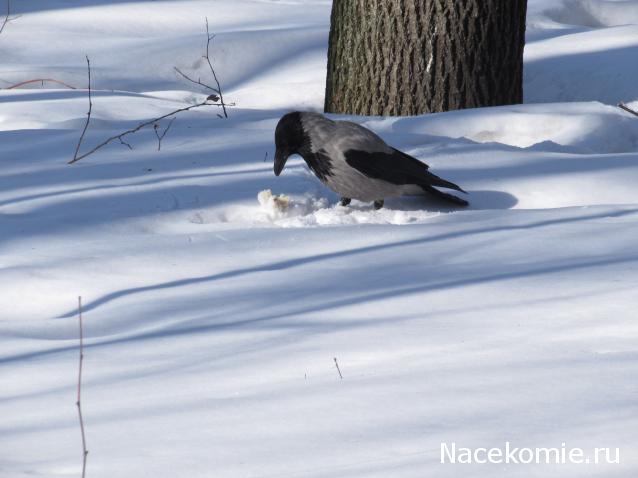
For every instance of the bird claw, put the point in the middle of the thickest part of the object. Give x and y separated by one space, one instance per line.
345 201
378 204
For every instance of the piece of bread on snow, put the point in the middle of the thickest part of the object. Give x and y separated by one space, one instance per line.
276 203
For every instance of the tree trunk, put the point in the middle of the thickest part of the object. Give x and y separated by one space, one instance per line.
408 57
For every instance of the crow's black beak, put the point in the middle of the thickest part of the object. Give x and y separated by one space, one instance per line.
280 161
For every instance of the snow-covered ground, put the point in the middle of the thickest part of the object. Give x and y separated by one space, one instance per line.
213 321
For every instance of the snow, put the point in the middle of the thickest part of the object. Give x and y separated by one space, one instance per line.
212 319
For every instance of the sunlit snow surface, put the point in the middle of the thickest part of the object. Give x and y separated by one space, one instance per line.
212 319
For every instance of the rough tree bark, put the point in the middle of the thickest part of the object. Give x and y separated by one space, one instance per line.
407 57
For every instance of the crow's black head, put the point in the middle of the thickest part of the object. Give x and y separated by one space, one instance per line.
290 138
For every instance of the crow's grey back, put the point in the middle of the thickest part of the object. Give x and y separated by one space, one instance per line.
340 136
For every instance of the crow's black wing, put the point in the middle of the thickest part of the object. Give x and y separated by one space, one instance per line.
407 157
395 167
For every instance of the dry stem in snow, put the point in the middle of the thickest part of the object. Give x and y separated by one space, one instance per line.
88 115
40 80
120 137
623 106
216 90
338 369
7 17
78 403
160 137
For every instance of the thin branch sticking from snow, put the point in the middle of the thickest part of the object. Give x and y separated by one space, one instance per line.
85 452
120 137
217 92
209 37
124 143
197 82
42 80
338 369
88 115
623 106
139 127
160 137
7 17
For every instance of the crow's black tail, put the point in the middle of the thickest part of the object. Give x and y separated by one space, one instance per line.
434 180
447 197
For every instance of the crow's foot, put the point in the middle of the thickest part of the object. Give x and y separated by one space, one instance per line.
378 204
345 201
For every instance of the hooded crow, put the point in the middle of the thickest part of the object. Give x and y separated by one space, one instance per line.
353 161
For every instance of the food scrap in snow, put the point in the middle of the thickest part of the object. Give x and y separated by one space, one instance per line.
273 204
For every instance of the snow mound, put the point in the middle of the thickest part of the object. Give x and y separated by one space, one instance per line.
589 127
581 51
595 13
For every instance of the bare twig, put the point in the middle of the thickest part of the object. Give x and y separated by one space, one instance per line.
85 452
197 82
139 127
623 106
124 143
88 115
209 37
160 137
8 17
120 137
211 100
52 80
338 369
217 92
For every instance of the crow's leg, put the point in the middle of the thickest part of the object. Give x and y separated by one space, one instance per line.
378 204
345 201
